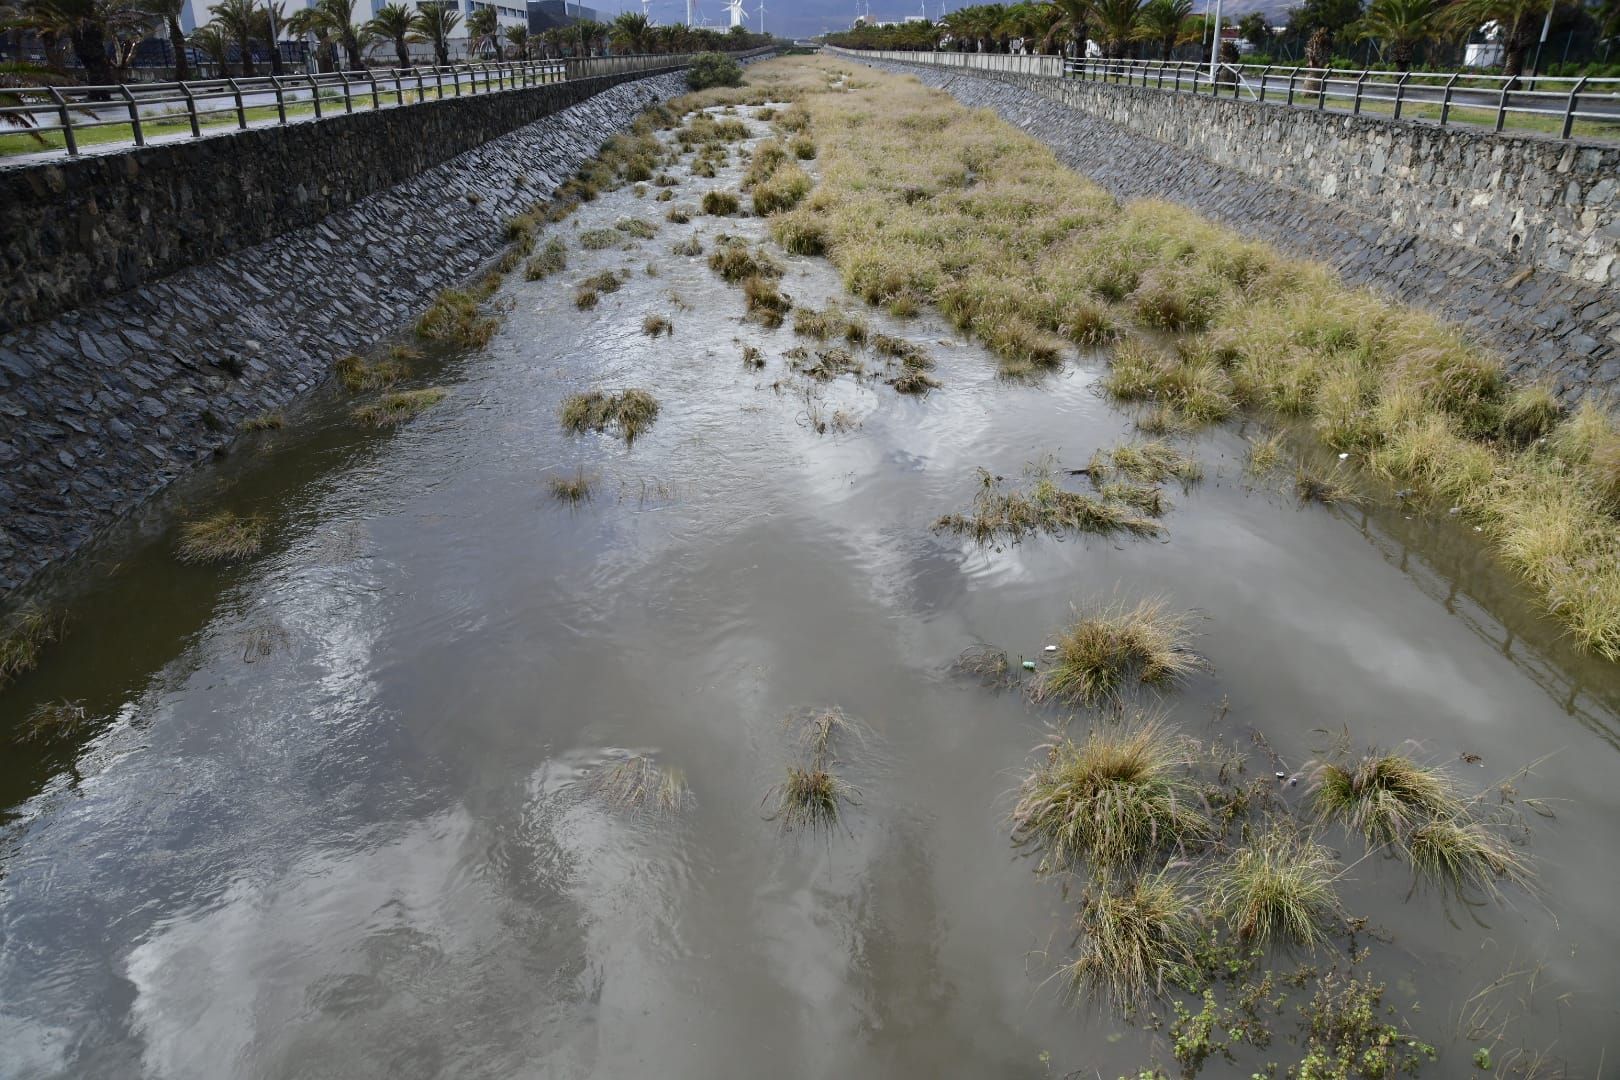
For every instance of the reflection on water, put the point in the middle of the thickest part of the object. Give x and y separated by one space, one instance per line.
336 817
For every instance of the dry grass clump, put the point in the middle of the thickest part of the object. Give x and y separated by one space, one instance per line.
1113 648
274 420
630 412
356 375
653 325
678 215
586 299
1002 515
767 305
26 634
398 407
766 159
221 537
914 381
810 798
1200 392
54 720
454 319
1134 937
598 239
752 357
638 785
799 232
1325 487
735 261
990 665
572 489
1280 888
641 230
1113 800
1147 463
552 259
608 281
784 190
1265 453
803 147
687 248
828 365
720 203
1465 857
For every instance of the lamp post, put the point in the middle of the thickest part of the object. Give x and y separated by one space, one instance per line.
1215 46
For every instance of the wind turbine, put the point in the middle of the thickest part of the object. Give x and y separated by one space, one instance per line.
735 9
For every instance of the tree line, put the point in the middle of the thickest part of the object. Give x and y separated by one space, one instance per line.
101 36
1157 28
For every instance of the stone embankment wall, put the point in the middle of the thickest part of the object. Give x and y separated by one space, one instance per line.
103 405
1548 326
1546 203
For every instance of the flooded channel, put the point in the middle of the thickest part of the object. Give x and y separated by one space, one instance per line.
335 816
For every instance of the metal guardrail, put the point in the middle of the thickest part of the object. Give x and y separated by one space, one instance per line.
1563 100
274 100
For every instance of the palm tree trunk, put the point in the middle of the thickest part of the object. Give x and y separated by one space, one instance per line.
351 45
177 42
401 52
90 46
247 57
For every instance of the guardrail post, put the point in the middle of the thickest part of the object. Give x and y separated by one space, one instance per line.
1400 89
455 77
241 112
348 98
134 117
281 104
1445 100
67 121
314 94
1321 89
375 102
1360 80
1293 73
1569 107
191 111
1265 73
1178 78
399 88
438 77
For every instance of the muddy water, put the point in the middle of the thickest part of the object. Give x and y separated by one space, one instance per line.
333 819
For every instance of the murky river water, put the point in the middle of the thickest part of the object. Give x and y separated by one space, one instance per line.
371 852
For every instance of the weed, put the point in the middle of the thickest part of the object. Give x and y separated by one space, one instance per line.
1134 938
630 412
553 259
637 785
810 798
270 421
767 305
653 325
597 239
678 215
221 537
357 375
641 230
26 634
1348 1036
720 203
1001 515
1277 889
572 489
1112 801
54 720
454 319
1327 488
398 407
1114 647
734 261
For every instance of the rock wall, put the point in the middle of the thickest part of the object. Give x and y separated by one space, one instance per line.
103 405
1547 325
1546 203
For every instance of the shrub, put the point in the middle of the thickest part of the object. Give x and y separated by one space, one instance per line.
713 69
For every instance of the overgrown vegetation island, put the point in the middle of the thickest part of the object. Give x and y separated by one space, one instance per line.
1201 881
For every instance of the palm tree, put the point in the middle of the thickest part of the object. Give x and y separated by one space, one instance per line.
89 26
339 18
435 21
587 32
1518 19
169 11
518 38
311 22
393 21
631 31
1401 26
1118 21
1165 21
212 41
482 28
274 25
239 21
1069 27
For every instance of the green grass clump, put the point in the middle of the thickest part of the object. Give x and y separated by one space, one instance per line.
810 798
734 261
597 239
221 537
454 319
783 191
766 159
1464 857
653 325
803 147
270 421
1112 801
638 785
398 407
1135 938
1147 463
54 720
1106 652
1383 797
606 282
678 215
630 412
1280 888
641 230
572 489
1002 515
26 634
356 375
1198 390
720 203
799 232
552 259
767 305
1328 488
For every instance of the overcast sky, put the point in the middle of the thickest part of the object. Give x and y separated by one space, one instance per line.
802 18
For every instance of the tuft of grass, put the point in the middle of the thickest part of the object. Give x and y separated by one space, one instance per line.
26 634
990 665
1147 463
270 421
356 375
586 299
1280 888
678 215
572 489
653 325
734 261
803 147
1134 937
607 281
641 230
1112 801
1265 453
454 319
1464 857
51 721
752 357
800 232
398 407
785 189
630 412
638 785
1198 390
817 728
913 381
1113 648
552 259
1001 515
1383 797
1328 488
688 247
810 798
597 239
767 305
720 203
221 537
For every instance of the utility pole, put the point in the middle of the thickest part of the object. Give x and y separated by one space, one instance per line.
1215 49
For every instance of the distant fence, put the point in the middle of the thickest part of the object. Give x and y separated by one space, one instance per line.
1563 106
66 117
